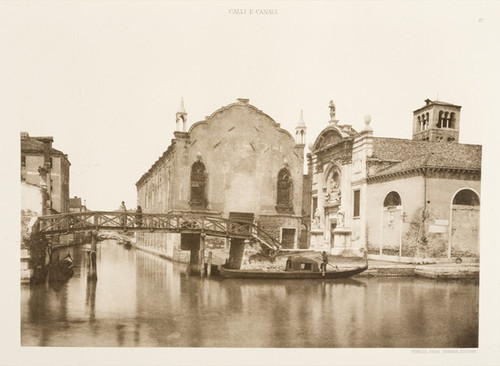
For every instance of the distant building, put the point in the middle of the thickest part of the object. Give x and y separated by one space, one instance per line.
47 168
237 163
390 196
75 205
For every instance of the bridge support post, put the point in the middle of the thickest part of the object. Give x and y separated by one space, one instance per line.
209 264
201 257
92 258
236 253
191 242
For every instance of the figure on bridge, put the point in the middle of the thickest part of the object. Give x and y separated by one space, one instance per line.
122 208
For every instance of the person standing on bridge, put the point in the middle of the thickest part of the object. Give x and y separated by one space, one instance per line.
122 208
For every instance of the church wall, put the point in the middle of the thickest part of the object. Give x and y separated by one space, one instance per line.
452 232
440 193
437 226
274 225
180 173
411 191
243 151
153 194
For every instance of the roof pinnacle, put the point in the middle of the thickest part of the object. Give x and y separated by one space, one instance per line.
181 106
301 123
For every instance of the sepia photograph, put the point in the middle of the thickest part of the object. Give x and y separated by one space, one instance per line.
250 183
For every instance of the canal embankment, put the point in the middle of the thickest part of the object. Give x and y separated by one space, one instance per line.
426 268
377 268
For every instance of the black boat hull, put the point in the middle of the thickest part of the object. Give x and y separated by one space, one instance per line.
288 275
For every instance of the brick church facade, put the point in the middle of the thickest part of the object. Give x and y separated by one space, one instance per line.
237 163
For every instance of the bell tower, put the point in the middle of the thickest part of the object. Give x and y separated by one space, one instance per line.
437 121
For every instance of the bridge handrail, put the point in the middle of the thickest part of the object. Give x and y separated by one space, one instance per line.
175 221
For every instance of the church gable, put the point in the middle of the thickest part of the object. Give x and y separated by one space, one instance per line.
241 115
328 138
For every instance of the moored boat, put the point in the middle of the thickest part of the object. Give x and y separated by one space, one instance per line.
296 268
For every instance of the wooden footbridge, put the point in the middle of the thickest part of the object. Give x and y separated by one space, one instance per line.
182 222
191 225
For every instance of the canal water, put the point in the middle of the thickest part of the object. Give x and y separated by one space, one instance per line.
140 300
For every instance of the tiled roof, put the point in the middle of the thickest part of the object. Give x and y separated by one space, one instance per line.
429 102
31 145
410 154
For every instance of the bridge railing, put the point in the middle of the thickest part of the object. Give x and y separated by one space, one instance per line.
170 222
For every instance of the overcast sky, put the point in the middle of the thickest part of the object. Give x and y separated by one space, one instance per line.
105 78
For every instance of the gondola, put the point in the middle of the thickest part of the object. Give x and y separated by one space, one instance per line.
62 270
297 267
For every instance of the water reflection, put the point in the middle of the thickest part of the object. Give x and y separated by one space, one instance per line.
142 300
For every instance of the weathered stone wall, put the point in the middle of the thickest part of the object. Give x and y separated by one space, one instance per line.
30 172
243 150
464 231
306 212
60 184
153 195
411 191
425 233
457 228
273 225
59 175
166 244
31 199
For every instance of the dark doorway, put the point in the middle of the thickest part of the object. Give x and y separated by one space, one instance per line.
288 238
333 225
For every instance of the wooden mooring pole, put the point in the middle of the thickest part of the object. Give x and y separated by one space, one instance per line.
92 259
209 264
201 258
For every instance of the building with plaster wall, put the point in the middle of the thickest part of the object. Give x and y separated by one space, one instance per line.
412 198
47 168
236 163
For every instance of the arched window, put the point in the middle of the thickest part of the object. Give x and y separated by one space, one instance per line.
466 197
392 199
285 191
198 183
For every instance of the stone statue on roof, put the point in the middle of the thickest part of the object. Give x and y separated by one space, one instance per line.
331 105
